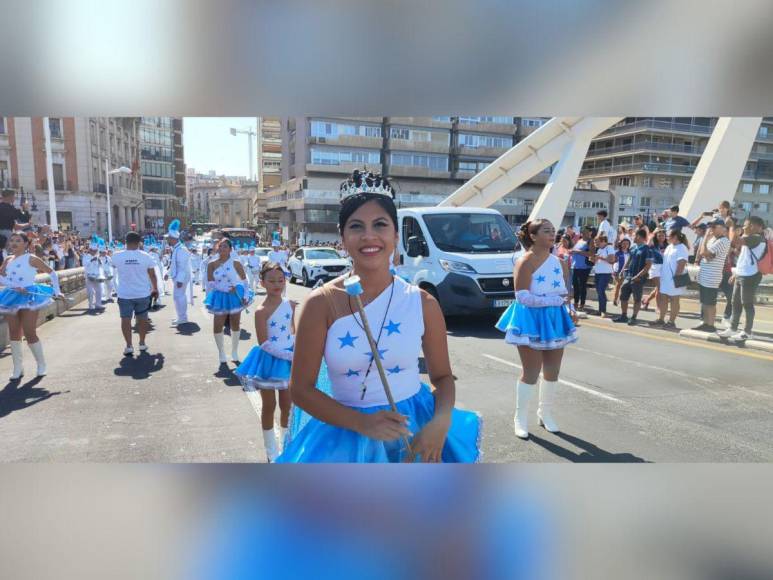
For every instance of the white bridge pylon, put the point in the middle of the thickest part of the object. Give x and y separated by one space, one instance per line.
565 141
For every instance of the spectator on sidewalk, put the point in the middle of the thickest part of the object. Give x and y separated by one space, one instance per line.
603 261
635 272
562 248
700 231
581 267
604 227
747 278
658 244
11 217
713 252
675 221
674 265
623 250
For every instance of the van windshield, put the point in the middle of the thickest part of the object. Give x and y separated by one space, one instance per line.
471 232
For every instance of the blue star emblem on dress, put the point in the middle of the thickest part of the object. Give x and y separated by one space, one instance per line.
347 340
282 328
540 279
273 324
274 338
556 283
290 349
380 354
556 271
352 373
287 317
393 327
395 370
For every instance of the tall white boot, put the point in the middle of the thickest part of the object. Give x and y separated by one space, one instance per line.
269 442
37 352
547 394
18 360
220 348
235 344
523 394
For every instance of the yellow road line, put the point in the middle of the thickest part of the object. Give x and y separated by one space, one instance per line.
682 341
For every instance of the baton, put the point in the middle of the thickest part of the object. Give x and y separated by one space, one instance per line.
354 288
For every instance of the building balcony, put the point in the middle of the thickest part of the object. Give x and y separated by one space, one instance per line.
492 152
9 183
759 156
342 169
644 125
420 122
644 147
499 128
357 141
416 171
765 138
634 168
58 186
423 146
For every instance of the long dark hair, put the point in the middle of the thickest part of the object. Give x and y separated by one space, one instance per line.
679 235
529 229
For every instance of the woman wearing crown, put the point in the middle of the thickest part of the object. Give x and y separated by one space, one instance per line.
345 415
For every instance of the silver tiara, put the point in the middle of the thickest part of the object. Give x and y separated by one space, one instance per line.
366 182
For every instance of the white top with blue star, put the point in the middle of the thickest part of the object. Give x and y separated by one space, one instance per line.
548 279
226 277
19 273
348 355
279 327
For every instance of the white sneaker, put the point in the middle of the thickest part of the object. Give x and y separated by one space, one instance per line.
128 350
740 335
727 333
726 322
143 347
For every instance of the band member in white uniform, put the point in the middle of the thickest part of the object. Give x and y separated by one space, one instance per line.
95 275
21 299
160 272
108 286
179 273
253 268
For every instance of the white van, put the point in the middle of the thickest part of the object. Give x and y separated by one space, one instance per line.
462 256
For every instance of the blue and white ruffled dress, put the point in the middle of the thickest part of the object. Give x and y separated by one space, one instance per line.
261 369
348 365
20 274
229 292
540 328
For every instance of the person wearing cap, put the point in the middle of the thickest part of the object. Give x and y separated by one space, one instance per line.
179 273
712 252
700 233
95 275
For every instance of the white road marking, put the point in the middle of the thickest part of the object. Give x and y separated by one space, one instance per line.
588 390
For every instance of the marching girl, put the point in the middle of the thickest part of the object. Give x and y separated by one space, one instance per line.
227 295
95 275
539 322
267 366
21 299
354 422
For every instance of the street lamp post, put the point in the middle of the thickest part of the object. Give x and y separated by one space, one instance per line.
108 173
250 134
53 221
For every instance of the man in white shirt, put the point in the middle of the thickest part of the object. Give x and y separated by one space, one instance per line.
136 281
180 274
712 251
605 228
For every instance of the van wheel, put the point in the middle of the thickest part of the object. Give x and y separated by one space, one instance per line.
306 281
292 278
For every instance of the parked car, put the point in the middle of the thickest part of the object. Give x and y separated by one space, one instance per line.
312 264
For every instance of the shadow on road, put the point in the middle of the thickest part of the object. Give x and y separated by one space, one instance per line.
75 313
229 378
474 327
140 367
590 453
188 328
243 334
16 396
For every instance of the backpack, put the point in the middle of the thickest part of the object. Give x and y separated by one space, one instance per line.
765 261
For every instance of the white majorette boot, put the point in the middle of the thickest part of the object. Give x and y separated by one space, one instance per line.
18 360
523 394
235 344
547 394
269 442
220 348
37 352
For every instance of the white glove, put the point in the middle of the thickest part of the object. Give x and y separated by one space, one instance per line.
272 349
55 283
528 299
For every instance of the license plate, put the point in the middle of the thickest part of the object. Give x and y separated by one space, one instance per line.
503 303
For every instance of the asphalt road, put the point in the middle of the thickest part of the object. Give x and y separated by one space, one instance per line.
628 395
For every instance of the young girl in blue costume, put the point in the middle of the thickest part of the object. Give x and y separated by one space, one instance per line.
354 423
539 322
21 299
267 366
227 295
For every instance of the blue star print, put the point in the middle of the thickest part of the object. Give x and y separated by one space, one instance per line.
352 373
287 317
290 349
556 283
347 340
540 279
557 271
282 328
380 354
393 327
274 338
395 370
273 323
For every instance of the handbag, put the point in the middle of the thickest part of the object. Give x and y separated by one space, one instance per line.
681 280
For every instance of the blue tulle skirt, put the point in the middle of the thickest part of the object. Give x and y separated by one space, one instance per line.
309 440
37 296
219 302
261 370
545 328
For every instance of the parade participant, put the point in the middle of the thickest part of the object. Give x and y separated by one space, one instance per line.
160 274
95 275
179 272
137 284
267 366
227 296
206 259
253 268
539 323
22 298
196 260
107 268
355 423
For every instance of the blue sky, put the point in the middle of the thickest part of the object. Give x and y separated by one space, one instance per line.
209 144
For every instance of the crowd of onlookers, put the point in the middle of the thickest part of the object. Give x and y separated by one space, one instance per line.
645 266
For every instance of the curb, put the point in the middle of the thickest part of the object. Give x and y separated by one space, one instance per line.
760 345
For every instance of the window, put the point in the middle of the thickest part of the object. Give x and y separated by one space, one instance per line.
64 218
475 141
747 187
4 175
333 129
762 148
623 181
411 228
341 156
526 122
434 162
504 120
746 206
442 119
763 131
2 125
626 200
763 207
58 176
646 181
645 202
764 188
55 125
665 182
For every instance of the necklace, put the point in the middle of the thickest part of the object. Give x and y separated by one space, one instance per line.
381 330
